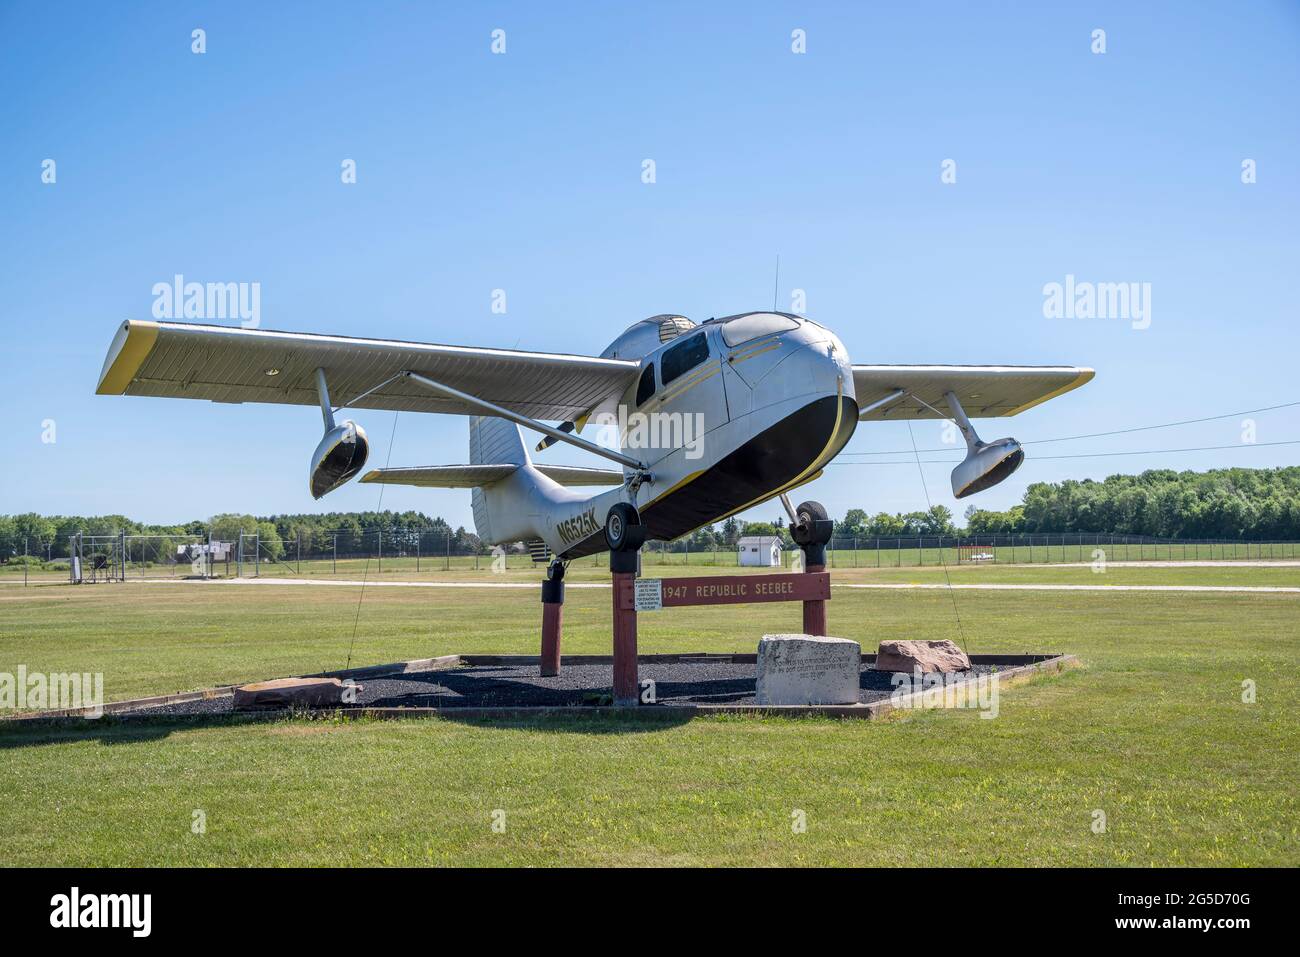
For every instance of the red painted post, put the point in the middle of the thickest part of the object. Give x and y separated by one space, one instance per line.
552 614
814 562
626 685
814 611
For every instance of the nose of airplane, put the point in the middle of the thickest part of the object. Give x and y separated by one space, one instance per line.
796 389
843 367
809 361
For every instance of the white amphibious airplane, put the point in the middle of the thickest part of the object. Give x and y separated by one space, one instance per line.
712 418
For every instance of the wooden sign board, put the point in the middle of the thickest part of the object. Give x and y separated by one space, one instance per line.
648 594
651 594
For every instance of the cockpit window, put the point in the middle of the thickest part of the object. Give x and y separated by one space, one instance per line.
683 357
646 387
744 328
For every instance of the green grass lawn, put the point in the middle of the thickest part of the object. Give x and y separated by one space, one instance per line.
1152 731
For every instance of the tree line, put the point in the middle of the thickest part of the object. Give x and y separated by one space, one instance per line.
1238 504
48 536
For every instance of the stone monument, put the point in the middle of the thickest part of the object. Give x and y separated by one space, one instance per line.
807 669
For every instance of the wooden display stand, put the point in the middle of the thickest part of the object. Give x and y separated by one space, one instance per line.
631 594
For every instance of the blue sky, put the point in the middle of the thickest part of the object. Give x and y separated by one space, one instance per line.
522 172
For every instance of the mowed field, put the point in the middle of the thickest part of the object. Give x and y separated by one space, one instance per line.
1152 732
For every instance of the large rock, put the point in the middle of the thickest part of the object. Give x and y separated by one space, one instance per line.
923 656
806 669
292 693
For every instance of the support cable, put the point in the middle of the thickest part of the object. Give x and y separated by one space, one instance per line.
366 570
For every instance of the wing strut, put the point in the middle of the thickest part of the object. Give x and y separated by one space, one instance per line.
323 389
867 410
491 408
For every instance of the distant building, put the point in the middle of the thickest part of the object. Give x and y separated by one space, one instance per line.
763 551
219 551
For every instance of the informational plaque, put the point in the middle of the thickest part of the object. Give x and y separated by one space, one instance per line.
649 594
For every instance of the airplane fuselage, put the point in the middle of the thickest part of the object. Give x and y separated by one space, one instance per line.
725 417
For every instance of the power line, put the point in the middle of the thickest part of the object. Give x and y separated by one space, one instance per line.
380 531
952 592
1098 435
1094 455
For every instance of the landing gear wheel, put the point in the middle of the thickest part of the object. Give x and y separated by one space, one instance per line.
815 526
553 585
811 512
623 528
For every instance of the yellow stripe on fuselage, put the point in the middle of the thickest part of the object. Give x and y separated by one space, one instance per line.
686 481
753 349
691 384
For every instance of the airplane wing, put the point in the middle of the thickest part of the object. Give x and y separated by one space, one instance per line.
226 364
470 476
984 391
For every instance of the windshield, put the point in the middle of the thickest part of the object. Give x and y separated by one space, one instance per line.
744 328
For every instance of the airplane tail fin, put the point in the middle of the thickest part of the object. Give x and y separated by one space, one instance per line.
515 500
492 441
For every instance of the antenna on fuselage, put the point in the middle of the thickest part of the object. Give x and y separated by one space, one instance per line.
776 283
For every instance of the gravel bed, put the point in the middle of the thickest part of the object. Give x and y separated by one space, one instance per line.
698 682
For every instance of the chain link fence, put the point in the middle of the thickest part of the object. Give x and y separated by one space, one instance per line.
434 553
174 556
1042 548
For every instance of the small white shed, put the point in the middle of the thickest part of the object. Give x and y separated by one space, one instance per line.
219 551
761 550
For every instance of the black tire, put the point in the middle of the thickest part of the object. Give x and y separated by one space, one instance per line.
809 512
617 523
813 524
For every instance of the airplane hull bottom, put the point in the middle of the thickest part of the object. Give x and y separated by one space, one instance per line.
793 449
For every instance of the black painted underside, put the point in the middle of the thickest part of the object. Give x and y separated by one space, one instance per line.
756 470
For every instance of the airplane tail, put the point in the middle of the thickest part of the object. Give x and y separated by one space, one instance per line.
491 441
531 503
515 500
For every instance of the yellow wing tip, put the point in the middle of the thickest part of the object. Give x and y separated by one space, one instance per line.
130 347
1083 376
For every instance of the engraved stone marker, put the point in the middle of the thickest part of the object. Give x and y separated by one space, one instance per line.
806 669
